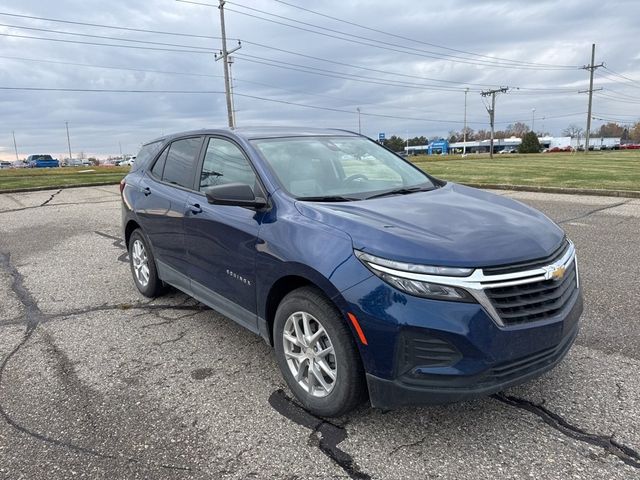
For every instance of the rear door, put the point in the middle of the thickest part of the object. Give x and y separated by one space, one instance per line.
165 188
221 239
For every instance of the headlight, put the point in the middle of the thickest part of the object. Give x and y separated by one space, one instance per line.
398 274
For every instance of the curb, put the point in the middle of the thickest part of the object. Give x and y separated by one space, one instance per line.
57 187
566 191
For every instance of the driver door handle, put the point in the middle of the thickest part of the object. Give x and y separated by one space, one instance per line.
195 208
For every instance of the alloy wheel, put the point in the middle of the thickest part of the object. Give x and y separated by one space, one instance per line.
140 262
310 354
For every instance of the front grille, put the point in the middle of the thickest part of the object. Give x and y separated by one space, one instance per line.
533 301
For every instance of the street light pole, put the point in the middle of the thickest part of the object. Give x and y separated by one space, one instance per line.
15 147
68 141
464 130
533 120
359 124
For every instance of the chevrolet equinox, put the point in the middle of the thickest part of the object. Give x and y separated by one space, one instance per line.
369 277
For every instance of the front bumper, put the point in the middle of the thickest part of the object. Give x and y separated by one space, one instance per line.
387 394
424 351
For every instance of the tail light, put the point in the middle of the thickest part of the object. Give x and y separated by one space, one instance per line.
123 183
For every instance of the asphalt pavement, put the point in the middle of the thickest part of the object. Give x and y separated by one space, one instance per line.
98 382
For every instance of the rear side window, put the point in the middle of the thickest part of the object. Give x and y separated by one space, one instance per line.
181 162
146 154
224 162
158 167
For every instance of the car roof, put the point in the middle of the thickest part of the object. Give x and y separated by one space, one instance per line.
252 133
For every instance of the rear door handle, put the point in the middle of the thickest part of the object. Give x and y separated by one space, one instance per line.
195 208
146 191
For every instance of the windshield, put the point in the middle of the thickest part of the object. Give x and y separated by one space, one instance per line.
345 168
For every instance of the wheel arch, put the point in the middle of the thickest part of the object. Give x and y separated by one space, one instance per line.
286 284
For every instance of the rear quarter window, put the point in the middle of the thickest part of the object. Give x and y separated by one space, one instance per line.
146 154
179 168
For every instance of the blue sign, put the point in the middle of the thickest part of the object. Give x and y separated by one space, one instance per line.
380 137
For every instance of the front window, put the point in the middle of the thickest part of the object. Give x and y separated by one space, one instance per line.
340 168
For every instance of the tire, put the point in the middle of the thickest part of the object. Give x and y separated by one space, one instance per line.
140 255
347 389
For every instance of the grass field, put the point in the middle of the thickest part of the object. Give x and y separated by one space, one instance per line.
59 177
611 170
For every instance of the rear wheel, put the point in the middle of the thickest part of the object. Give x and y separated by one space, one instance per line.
143 266
317 354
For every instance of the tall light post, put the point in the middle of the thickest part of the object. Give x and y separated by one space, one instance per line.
15 146
68 141
359 124
533 120
464 130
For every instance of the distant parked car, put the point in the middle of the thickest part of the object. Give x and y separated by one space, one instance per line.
509 150
4 165
128 162
42 161
72 162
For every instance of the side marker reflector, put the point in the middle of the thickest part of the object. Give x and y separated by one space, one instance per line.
356 325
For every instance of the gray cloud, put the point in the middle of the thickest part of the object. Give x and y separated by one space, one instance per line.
546 32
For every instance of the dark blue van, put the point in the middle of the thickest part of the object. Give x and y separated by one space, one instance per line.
369 277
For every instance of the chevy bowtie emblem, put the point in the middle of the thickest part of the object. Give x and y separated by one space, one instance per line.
555 273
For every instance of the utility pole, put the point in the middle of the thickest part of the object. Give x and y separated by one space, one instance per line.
359 124
233 103
464 130
68 141
533 120
592 68
492 111
224 55
15 147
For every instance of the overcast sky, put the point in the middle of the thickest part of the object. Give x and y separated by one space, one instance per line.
411 83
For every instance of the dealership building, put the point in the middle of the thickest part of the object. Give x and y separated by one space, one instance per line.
439 147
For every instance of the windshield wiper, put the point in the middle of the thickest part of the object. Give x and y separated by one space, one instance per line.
401 191
328 198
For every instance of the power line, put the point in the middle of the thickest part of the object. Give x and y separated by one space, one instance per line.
103 37
367 41
205 49
209 92
381 45
113 27
78 42
142 70
418 41
426 52
348 76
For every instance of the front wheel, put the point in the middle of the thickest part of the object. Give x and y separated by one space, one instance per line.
317 354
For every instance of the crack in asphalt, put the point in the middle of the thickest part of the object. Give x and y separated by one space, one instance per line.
46 202
63 204
407 445
555 421
33 317
591 212
324 434
119 243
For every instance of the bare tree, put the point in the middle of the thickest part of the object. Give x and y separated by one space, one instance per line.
573 131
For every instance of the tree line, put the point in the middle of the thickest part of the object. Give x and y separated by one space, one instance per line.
627 133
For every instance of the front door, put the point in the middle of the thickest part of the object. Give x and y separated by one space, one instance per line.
221 239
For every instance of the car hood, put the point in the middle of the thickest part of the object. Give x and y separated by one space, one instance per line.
450 226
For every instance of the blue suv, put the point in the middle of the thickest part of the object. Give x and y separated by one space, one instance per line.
368 276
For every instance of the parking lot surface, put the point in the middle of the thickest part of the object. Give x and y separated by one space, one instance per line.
98 382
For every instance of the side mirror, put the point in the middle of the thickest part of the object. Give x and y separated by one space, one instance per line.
236 194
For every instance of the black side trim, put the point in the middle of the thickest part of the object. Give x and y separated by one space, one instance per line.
210 298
